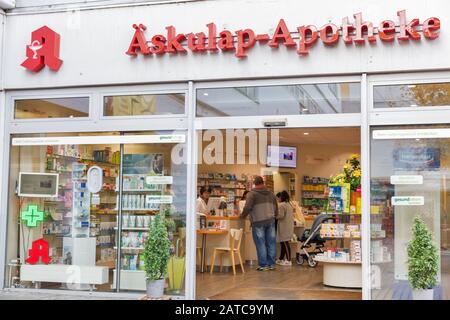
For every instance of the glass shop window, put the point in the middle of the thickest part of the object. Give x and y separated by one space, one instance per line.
52 108
144 105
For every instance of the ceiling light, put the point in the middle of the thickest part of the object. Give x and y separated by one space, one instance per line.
411 86
306 133
205 94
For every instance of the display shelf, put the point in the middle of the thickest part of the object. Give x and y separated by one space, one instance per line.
220 187
222 179
315 184
57 234
343 214
109 164
138 210
133 229
319 198
59 171
56 201
62 156
131 248
318 259
139 190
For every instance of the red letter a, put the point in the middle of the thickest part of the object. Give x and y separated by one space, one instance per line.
138 42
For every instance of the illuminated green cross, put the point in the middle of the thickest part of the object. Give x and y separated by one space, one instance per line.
32 216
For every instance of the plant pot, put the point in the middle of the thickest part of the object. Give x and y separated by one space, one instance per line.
155 288
426 294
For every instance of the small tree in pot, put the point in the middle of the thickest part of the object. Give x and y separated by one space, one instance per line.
423 261
156 257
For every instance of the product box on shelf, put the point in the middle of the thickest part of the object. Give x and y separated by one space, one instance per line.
355 250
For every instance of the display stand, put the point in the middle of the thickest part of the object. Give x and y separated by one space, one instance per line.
80 249
345 274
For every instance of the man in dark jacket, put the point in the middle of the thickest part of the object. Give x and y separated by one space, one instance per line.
262 207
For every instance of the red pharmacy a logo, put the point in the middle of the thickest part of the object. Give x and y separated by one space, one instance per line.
43 50
39 249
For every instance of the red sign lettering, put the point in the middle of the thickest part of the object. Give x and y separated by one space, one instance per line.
242 41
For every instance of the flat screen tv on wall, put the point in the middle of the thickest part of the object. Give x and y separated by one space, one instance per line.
281 156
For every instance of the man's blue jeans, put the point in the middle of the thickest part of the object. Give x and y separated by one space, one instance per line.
265 241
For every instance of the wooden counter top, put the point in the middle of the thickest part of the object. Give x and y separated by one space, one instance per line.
211 231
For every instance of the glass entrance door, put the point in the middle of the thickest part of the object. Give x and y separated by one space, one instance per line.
154 182
410 177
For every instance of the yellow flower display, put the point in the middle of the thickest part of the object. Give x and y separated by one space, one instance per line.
351 173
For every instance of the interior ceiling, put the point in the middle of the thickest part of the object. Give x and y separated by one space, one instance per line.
347 136
335 136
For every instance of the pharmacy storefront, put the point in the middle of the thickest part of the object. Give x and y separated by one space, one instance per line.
102 108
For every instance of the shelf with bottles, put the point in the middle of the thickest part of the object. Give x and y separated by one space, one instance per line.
81 201
99 163
322 188
143 229
310 201
141 183
222 176
315 180
351 255
133 263
113 212
62 157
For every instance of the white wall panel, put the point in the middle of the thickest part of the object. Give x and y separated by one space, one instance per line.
93 44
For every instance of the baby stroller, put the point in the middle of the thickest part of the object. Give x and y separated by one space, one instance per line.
312 237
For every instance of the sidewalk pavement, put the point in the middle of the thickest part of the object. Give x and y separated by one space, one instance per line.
28 295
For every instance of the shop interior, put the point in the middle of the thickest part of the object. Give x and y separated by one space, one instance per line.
53 206
315 159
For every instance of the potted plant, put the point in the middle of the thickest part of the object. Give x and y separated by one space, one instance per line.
156 257
423 261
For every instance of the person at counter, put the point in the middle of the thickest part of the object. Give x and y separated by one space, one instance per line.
241 202
285 228
202 200
262 207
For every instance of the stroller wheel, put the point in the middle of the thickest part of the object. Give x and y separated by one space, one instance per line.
311 262
299 259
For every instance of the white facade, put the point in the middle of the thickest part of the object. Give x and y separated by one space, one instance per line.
94 41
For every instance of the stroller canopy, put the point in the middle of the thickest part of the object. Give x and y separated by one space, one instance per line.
321 218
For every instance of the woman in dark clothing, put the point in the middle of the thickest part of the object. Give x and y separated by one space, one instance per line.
285 228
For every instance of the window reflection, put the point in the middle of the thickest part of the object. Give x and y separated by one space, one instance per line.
279 100
139 105
52 108
412 95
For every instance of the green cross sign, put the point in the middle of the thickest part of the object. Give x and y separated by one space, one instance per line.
32 216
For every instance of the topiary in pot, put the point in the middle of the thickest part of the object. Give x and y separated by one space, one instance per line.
156 257
423 261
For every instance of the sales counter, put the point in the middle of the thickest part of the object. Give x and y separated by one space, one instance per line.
218 236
